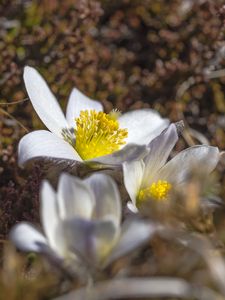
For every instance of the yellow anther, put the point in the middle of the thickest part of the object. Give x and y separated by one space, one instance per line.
97 134
157 190
114 114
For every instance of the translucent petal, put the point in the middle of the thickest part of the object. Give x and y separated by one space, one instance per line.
143 125
42 143
177 170
133 174
75 198
77 102
27 238
44 102
107 197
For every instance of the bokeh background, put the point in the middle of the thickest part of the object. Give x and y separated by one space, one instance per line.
164 54
128 54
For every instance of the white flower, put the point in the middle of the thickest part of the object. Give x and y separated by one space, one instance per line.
86 133
154 177
82 220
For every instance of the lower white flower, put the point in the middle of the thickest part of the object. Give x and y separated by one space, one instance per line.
82 219
154 177
86 134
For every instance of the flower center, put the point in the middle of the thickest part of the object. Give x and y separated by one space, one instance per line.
157 190
98 134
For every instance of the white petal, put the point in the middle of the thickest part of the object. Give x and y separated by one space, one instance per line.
160 149
75 198
42 143
143 125
203 158
50 218
92 240
44 102
151 287
78 102
131 207
133 234
128 153
107 197
133 173
27 238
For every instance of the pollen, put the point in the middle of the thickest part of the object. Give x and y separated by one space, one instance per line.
98 134
157 190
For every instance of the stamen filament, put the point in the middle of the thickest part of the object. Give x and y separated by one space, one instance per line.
157 190
98 134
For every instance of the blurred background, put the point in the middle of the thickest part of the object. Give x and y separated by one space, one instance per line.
164 54
129 54
167 55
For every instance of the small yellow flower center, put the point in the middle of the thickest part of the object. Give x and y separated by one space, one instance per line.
98 134
157 190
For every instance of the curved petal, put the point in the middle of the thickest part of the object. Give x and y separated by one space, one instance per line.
133 174
143 125
92 240
27 238
77 102
107 197
43 101
42 143
50 218
133 234
128 153
204 158
75 198
132 208
160 149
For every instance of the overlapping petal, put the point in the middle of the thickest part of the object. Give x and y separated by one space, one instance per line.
49 216
108 202
154 169
82 219
177 170
133 172
91 239
42 143
133 234
143 125
129 153
78 102
160 149
75 198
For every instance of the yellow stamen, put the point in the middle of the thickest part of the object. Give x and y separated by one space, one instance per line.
114 114
97 134
157 190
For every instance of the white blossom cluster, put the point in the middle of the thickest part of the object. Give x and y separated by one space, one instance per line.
83 220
